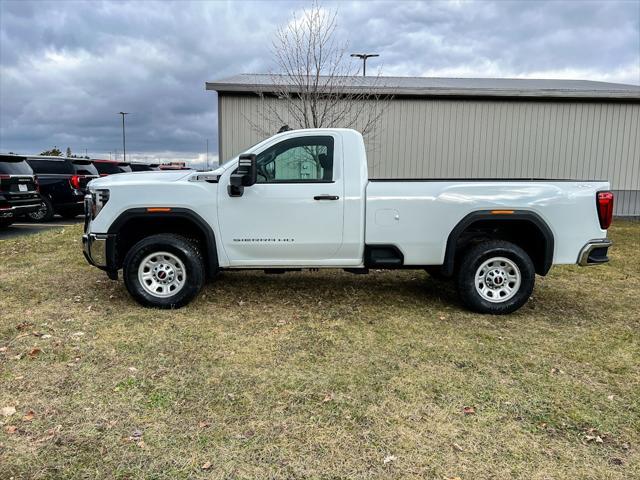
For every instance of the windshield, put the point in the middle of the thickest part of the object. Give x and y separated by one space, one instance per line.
84 168
15 166
110 168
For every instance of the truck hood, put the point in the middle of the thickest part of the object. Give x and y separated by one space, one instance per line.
139 177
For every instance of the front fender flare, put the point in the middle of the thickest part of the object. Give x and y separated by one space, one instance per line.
173 212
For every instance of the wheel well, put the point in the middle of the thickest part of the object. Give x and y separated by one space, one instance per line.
526 230
133 228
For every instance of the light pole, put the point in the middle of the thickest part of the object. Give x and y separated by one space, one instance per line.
363 57
124 144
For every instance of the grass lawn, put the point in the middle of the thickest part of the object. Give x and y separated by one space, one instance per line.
316 375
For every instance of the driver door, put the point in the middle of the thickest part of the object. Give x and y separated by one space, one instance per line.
293 215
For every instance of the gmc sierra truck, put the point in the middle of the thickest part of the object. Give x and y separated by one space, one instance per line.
303 199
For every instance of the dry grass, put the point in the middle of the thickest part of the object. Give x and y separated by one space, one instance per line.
316 375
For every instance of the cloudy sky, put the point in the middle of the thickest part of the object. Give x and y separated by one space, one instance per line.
68 67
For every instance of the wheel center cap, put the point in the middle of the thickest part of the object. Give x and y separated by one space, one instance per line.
164 273
495 278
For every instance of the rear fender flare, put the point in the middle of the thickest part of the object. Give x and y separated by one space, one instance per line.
517 215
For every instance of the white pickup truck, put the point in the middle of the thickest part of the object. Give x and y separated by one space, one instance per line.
303 199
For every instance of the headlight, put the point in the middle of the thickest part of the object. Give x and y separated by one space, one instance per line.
99 199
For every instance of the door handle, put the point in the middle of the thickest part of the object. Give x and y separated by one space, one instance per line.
326 197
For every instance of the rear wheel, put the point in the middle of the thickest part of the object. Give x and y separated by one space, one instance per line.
44 213
5 222
164 271
495 277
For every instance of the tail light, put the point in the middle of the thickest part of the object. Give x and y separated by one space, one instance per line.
35 180
604 202
75 181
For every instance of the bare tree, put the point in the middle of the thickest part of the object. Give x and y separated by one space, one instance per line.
316 84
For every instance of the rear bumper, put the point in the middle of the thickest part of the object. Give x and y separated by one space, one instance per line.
14 211
594 252
99 250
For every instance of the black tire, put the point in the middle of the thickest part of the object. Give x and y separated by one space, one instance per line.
186 251
470 264
435 272
45 213
5 222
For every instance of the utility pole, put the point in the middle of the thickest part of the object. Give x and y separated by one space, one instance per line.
124 144
363 57
109 155
207 168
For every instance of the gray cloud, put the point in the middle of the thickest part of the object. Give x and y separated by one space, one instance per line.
68 67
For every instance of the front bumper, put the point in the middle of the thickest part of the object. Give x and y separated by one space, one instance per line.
594 252
10 212
99 250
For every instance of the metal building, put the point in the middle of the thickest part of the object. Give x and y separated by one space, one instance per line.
473 128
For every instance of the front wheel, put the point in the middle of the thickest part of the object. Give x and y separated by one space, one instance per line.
164 271
495 277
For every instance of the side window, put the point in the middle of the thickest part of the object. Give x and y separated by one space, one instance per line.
299 160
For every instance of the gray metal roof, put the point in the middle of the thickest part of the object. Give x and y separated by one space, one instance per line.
430 86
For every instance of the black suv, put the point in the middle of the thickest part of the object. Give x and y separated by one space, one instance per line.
144 167
109 167
18 189
63 182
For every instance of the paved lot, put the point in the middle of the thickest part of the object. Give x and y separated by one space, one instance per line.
26 228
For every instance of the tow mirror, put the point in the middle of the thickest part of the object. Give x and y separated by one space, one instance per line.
245 175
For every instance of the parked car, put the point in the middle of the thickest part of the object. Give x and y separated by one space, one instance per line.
110 167
303 199
63 182
18 189
144 167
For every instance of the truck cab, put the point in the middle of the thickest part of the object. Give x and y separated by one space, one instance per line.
303 199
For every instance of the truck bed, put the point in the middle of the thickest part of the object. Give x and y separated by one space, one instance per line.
418 211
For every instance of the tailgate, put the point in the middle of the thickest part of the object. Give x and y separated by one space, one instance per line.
18 191
10 184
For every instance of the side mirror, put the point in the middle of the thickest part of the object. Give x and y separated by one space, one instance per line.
245 175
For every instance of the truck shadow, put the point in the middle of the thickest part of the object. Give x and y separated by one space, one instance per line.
392 289
306 288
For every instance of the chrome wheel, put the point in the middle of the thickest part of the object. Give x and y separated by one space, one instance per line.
162 274
40 213
497 279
